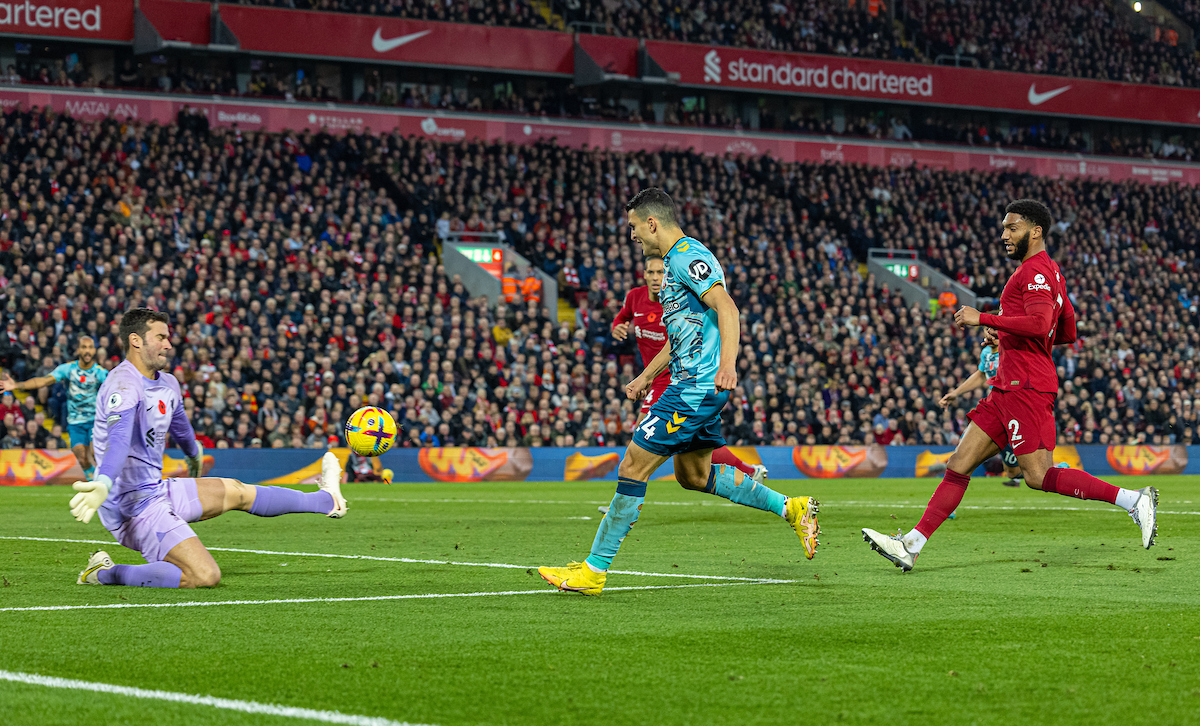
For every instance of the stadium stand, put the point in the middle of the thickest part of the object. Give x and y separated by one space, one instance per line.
563 100
1080 38
303 278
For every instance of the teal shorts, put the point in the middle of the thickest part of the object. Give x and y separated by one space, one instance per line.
674 427
79 434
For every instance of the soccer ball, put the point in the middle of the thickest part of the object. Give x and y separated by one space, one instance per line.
370 431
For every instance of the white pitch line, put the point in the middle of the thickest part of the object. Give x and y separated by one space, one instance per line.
824 504
407 500
371 598
229 704
409 560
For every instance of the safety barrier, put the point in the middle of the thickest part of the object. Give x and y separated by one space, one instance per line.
468 464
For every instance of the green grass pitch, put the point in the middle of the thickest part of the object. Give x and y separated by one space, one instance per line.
1028 608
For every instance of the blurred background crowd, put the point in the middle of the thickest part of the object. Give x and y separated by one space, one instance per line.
303 277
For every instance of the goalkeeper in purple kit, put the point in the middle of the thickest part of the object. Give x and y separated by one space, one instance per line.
137 406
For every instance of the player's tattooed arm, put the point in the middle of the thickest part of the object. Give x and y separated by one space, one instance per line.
730 325
8 384
975 380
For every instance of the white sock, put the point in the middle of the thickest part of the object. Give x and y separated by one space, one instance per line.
593 569
914 541
1127 498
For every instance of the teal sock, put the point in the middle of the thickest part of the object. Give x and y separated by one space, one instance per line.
88 472
622 513
749 493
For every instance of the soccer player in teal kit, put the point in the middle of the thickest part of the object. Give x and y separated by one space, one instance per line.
685 422
83 378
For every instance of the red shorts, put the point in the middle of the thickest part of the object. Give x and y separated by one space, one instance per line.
655 392
1022 419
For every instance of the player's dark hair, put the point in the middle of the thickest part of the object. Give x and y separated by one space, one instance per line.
654 202
653 256
1033 212
136 322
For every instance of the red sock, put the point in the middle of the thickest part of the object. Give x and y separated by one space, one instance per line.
1079 484
724 456
944 501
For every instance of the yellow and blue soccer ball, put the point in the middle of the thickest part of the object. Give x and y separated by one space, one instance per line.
370 431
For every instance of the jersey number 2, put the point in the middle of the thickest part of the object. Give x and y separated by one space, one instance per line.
1015 438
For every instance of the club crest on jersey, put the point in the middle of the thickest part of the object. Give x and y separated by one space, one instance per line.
699 270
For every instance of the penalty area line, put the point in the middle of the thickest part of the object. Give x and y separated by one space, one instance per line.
372 598
407 560
228 704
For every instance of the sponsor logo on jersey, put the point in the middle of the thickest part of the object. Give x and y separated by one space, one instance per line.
1033 286
699 270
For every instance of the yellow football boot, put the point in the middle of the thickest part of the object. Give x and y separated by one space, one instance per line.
802 515
575 577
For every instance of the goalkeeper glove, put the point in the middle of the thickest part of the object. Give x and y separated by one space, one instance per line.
91 495
196 463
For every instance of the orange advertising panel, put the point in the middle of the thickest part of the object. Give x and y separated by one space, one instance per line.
466 464
832 462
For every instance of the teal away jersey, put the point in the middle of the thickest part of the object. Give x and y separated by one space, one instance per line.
83 384
989 362
690 271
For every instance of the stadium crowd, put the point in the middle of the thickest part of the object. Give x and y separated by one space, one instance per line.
303 280
1079 38
564 100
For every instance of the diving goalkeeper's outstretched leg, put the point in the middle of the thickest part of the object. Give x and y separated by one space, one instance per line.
175 557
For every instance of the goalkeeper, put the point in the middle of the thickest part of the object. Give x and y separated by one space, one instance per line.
138 405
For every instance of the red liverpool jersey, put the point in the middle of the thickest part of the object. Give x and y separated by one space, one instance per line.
645 318
1035 315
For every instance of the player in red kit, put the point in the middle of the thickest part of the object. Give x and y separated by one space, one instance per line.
642 313
1035 315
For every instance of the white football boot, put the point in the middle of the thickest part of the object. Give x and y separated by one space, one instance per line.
1145 513
90 574
891 547
760 474
331 481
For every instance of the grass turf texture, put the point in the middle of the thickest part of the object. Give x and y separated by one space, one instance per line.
1011 615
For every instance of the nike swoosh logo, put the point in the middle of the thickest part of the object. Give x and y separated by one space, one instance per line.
382 46
1037 99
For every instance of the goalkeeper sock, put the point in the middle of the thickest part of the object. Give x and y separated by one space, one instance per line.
155 574
274 501
623 511
721 482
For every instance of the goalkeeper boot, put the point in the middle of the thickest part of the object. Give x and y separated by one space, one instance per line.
760 474
891 547
801 513
575 577
1145 513
331 481
90 574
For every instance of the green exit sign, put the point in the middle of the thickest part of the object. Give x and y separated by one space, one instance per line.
481 255
900 269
